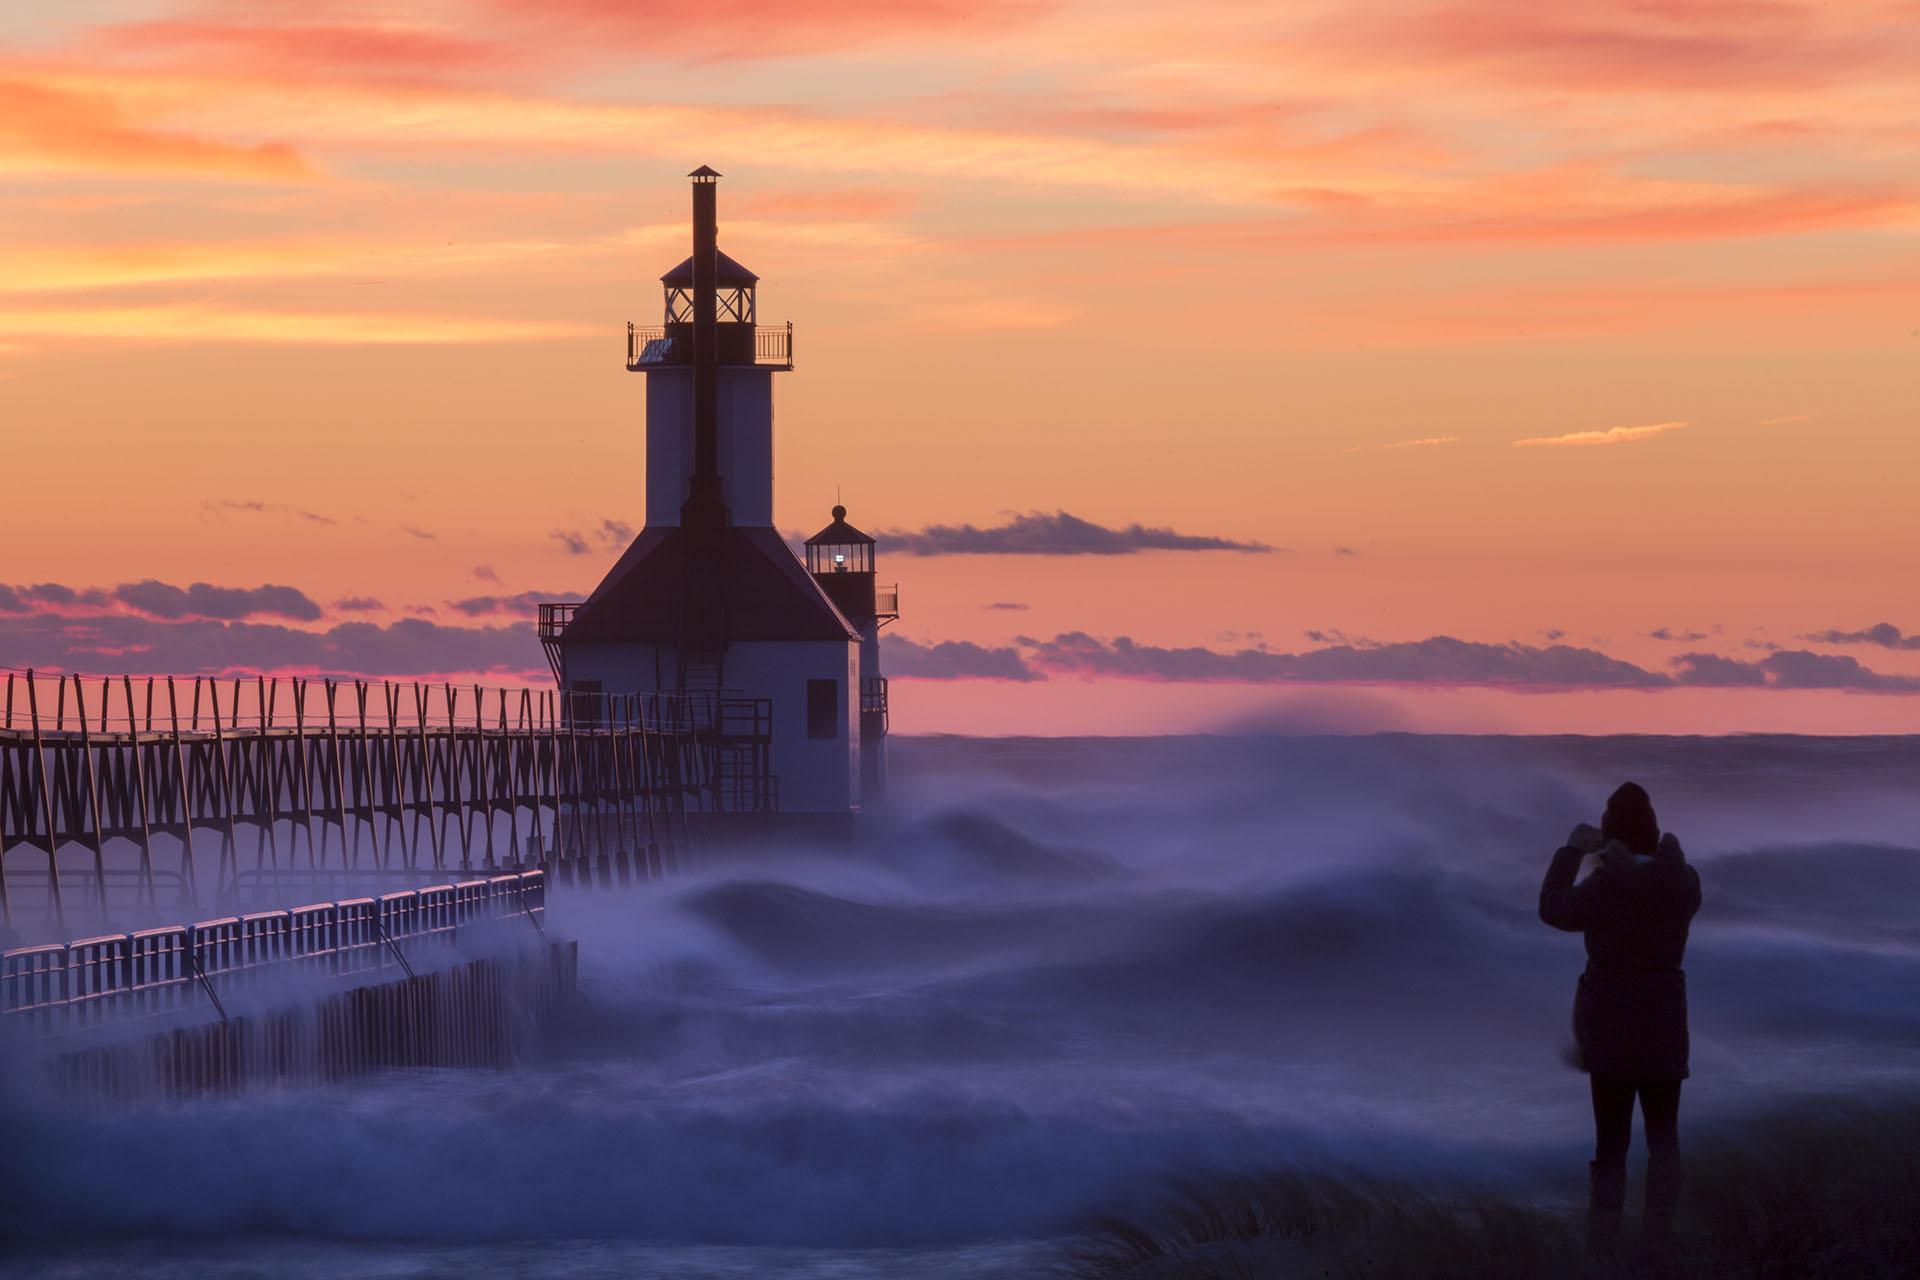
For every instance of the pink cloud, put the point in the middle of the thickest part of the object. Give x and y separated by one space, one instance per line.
751 29
320 48
49 129
1665 45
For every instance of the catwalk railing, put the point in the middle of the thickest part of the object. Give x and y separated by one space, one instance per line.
121 793
650 347
183 969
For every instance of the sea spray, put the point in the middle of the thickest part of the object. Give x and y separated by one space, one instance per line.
1057 972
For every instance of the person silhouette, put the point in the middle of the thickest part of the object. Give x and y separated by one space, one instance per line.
1630 1009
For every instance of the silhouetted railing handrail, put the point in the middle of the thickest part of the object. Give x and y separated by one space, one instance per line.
68 703
123 771
67 986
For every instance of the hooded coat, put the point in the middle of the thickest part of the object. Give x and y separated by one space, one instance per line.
1630 1010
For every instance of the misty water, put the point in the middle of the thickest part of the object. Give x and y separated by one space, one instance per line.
1058 974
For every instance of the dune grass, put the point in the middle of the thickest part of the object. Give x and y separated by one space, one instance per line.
1824 1190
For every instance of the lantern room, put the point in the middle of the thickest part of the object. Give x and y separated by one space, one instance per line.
839 548
733 292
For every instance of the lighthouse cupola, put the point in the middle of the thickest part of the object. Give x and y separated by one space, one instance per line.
840 558
733 311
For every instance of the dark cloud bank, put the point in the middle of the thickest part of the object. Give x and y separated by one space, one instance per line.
157 627
1041 533
158 599
153 627
1438 661
1883 634
114 643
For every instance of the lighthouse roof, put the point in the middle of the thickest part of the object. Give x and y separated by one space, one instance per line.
839 533
728 274
767 593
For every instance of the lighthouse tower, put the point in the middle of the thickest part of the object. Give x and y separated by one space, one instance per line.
709 601
841 560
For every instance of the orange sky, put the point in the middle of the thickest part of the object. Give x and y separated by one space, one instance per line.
1521 325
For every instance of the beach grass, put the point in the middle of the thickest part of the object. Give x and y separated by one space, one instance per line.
1824 1189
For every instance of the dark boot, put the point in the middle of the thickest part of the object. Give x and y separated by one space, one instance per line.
1663 1198
1606 1198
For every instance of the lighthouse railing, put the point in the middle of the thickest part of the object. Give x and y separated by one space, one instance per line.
774 346
555 616
654 347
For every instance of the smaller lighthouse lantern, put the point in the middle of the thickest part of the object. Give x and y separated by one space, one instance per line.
840 548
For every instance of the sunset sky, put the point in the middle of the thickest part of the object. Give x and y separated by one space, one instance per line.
1471 365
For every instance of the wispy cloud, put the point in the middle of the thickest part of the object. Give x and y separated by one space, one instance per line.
61 268
1612 435
1425 442
1787 421
46 128
523 602
254 506
207 322
608 533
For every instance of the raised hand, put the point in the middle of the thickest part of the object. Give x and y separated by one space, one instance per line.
1586 838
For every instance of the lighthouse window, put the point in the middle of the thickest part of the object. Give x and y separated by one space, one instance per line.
823 708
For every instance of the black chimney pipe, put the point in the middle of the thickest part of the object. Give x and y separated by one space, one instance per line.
703 517
706 334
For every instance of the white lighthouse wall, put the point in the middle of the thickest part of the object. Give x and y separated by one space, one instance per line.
744 416
623 667
817 775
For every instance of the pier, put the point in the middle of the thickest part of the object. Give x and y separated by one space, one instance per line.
209 882
120 796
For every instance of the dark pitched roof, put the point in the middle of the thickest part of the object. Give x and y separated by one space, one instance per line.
768 594
728 274
838 532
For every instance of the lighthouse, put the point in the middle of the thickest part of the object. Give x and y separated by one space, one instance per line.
779 660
